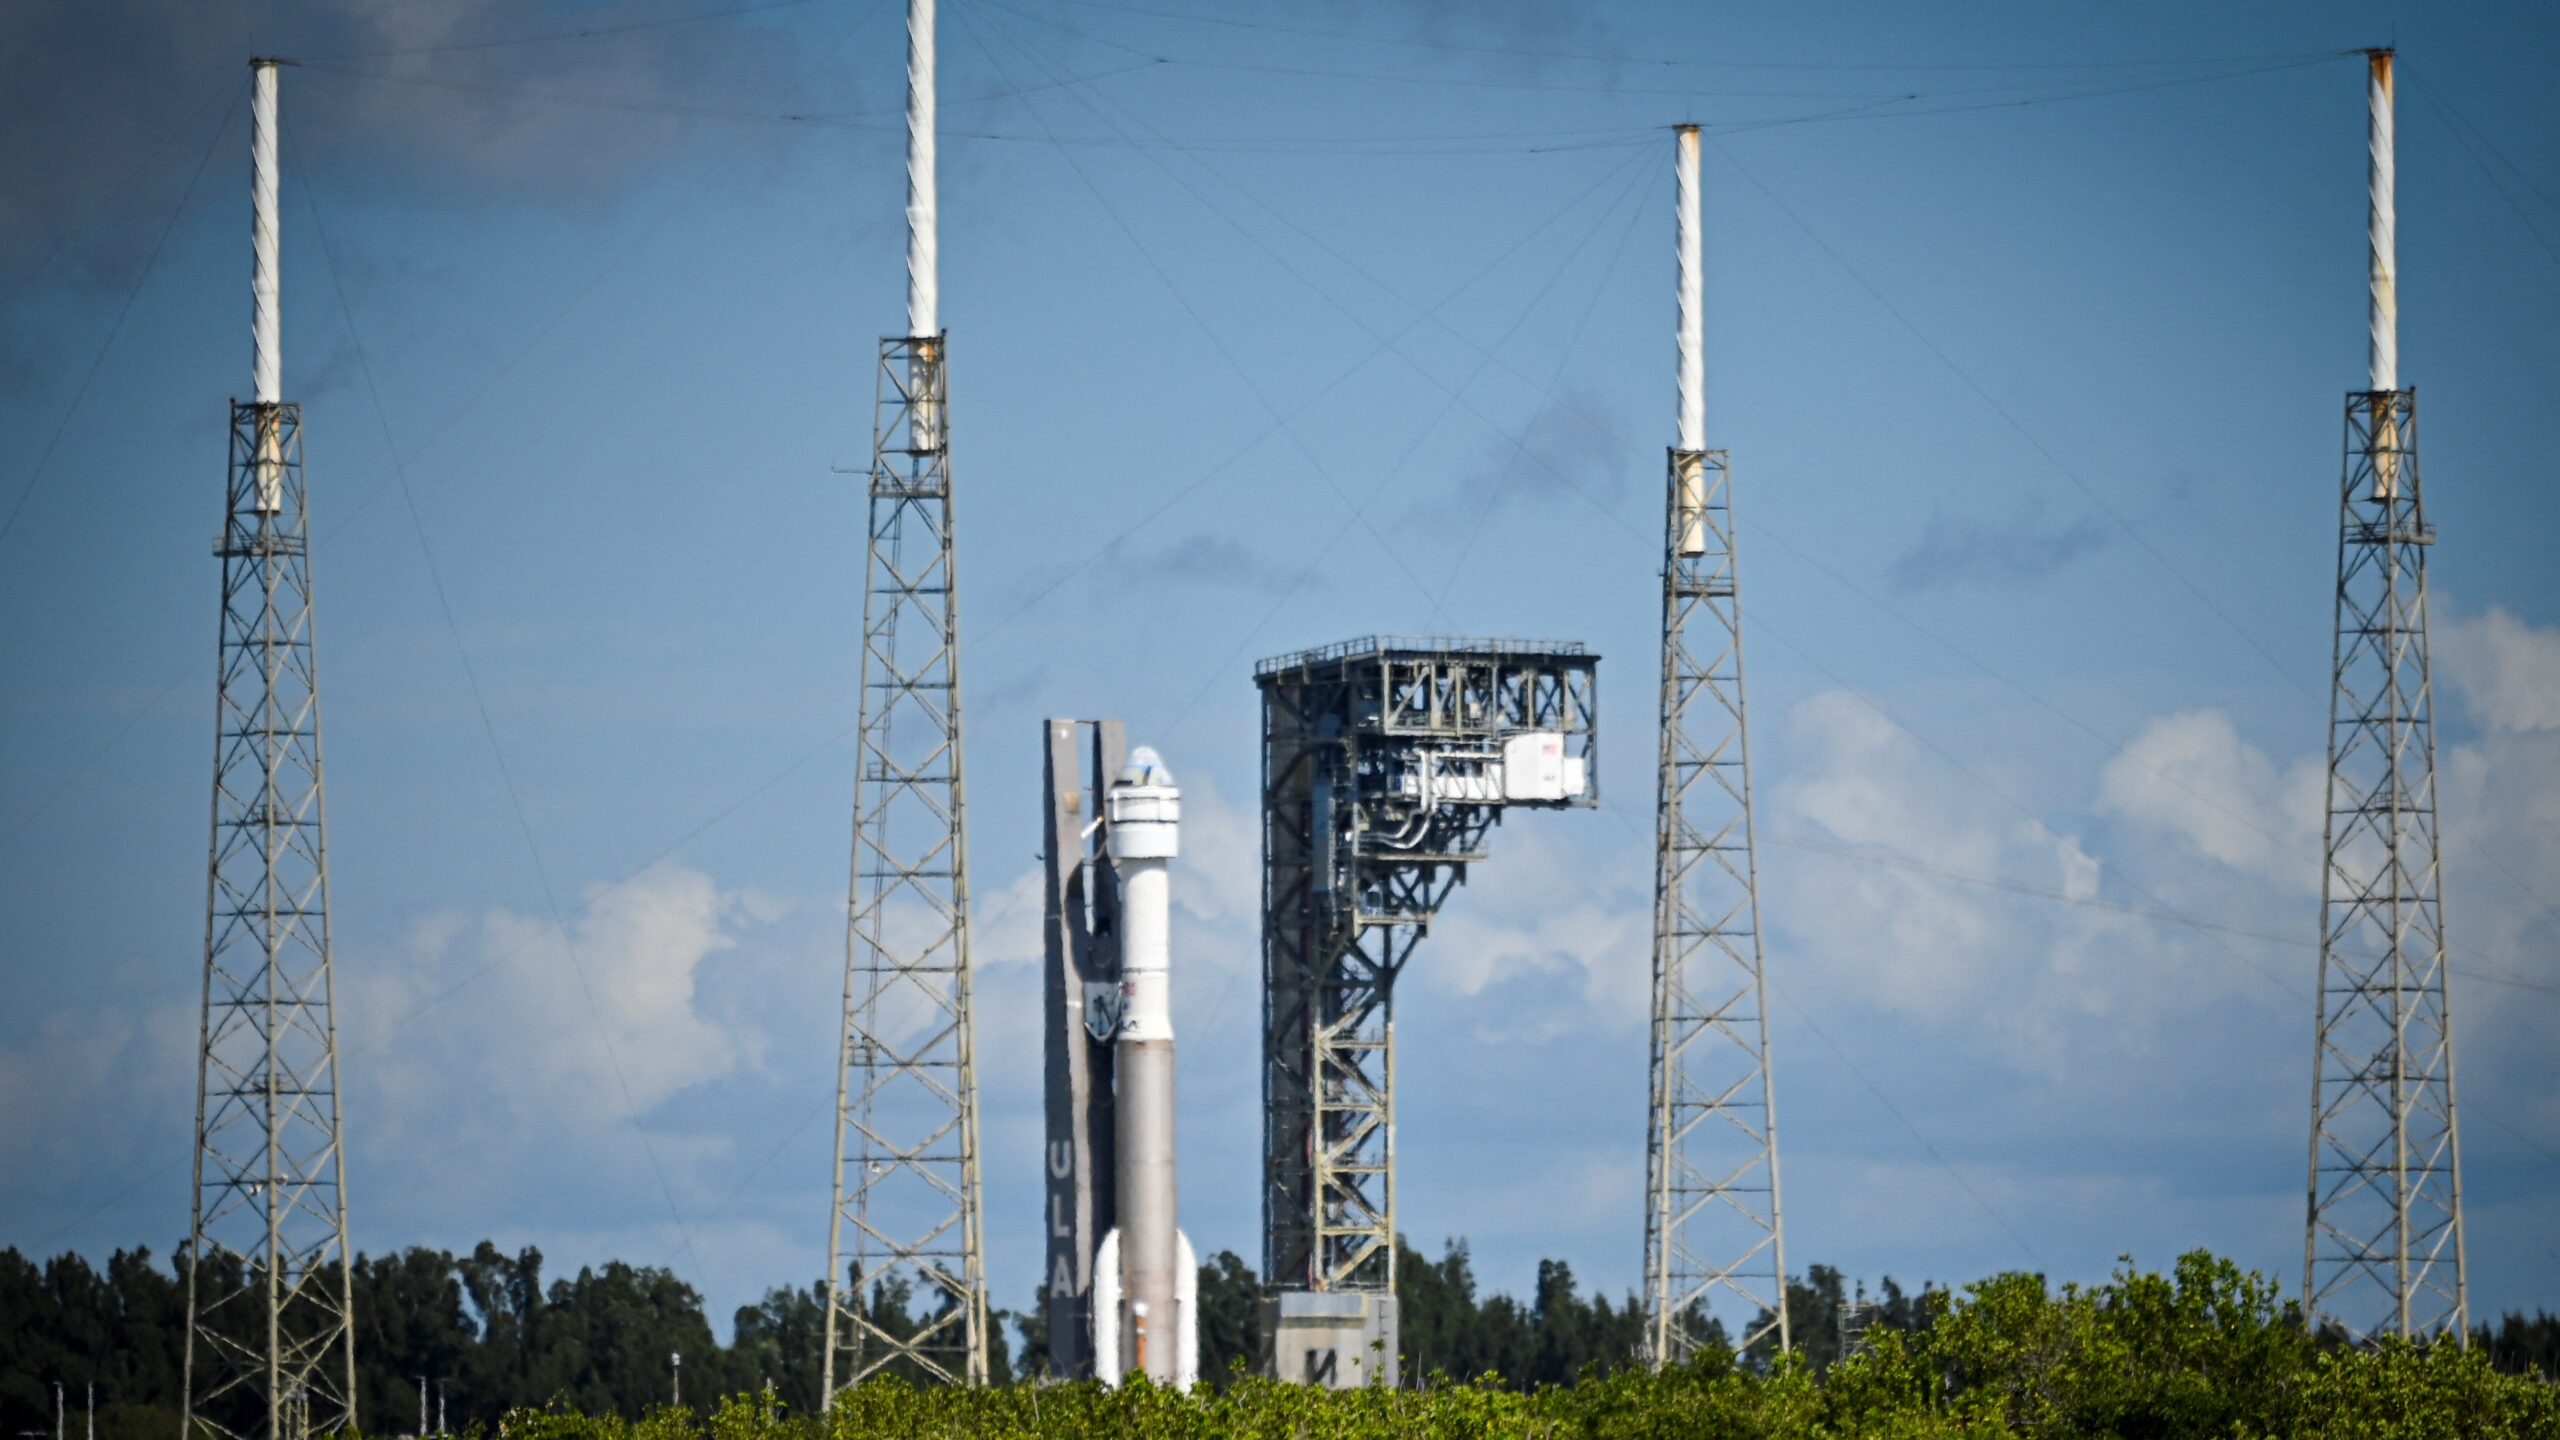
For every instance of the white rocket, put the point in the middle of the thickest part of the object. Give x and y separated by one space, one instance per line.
1145 1276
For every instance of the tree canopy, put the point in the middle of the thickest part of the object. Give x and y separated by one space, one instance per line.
2208 1349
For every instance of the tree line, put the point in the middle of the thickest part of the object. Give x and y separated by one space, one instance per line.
490 1332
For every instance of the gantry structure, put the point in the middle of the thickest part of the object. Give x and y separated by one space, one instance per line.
2383 1253
1713 1240
906 1281
270 1350
1386 763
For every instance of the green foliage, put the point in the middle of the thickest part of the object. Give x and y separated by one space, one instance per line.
2523 1347
1230 1317
1560 1335
488 1329
1821 1315
123 1331
2208 1350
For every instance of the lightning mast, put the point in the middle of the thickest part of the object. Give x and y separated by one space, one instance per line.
270 1351
906 1286
1712 1231
2383 1251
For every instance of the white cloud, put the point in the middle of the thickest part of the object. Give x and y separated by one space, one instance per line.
2498 803
569 1023
72 1052
2506 671
1891 934
480 1092
1221 865
493 1090
497 1070
1896 884
2115 1062
1870 784
2190 775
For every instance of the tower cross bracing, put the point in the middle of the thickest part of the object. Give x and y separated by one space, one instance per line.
270 1346
270 1349
1712 1223
1712 1233
906 1280
1386 764
2383 1249
905 1234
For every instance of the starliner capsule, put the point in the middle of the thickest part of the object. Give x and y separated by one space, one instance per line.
1146 1279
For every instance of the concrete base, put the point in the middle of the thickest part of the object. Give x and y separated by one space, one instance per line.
1340 1339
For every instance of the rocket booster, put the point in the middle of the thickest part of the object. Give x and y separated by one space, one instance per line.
1145 1275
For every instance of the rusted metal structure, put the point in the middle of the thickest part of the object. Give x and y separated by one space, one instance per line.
2383 1250
1386 764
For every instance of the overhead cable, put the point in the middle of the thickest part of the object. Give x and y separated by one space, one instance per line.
488 725
1553 53
116 327
2010 419
1219 343
2473 141
585 32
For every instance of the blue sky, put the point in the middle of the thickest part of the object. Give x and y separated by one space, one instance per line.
2028 348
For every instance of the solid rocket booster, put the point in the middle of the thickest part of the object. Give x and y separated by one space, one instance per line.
1144 1295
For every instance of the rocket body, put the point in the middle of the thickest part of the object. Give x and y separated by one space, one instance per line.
1148 1276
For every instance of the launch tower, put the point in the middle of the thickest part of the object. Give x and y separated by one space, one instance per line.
1386 763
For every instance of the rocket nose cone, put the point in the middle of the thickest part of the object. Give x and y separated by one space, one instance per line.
1145 767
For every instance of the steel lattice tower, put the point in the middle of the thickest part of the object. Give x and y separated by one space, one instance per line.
903 1232
1386 763
1712 1230
2383 1250
270 1351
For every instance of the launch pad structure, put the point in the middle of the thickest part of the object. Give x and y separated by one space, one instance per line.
1386 763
